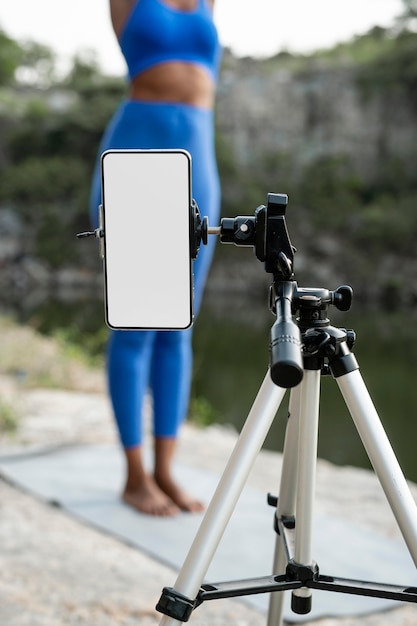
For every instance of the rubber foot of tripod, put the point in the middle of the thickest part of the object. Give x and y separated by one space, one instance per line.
301 605
175 605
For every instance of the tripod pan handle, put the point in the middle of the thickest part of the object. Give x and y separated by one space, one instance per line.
285 358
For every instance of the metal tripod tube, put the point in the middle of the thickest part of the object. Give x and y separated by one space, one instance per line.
286 500
381 455
228 491
307 456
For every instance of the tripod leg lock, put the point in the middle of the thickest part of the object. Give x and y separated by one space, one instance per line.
342 365
175 605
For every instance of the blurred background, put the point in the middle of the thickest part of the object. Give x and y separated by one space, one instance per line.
331 121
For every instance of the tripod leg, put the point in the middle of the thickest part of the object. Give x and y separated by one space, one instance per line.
297 488
307 454
286 500
381 456
227 493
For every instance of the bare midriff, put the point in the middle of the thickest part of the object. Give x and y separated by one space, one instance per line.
174 81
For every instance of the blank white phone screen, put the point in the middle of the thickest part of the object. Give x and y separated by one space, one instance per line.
146 198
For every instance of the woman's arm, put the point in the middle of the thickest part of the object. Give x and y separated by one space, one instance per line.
119 12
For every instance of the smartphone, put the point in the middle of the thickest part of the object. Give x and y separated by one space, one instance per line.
146 220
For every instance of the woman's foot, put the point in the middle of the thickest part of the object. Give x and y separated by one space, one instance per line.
179 496
164 453
146 497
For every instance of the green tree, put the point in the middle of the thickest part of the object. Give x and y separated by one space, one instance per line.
11 55
410 8
36 65
409 14
85 71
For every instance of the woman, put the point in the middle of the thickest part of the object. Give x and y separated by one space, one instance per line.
172 53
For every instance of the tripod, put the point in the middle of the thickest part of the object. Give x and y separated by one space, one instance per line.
300 353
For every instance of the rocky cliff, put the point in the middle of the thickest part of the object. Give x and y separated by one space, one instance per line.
339 138
269 108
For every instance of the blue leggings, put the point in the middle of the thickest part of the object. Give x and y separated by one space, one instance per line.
160 361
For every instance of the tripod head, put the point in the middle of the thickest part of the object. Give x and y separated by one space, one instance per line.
267 233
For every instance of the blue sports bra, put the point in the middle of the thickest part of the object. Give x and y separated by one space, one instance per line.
155 33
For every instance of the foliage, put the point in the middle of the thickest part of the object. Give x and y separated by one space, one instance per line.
387 224
202 412
49 159
393 70
331 188
409 13
37 65
11 55
9 417
330 197
84 72
331 194
37 182
49 150
79 323
34 360
361 49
